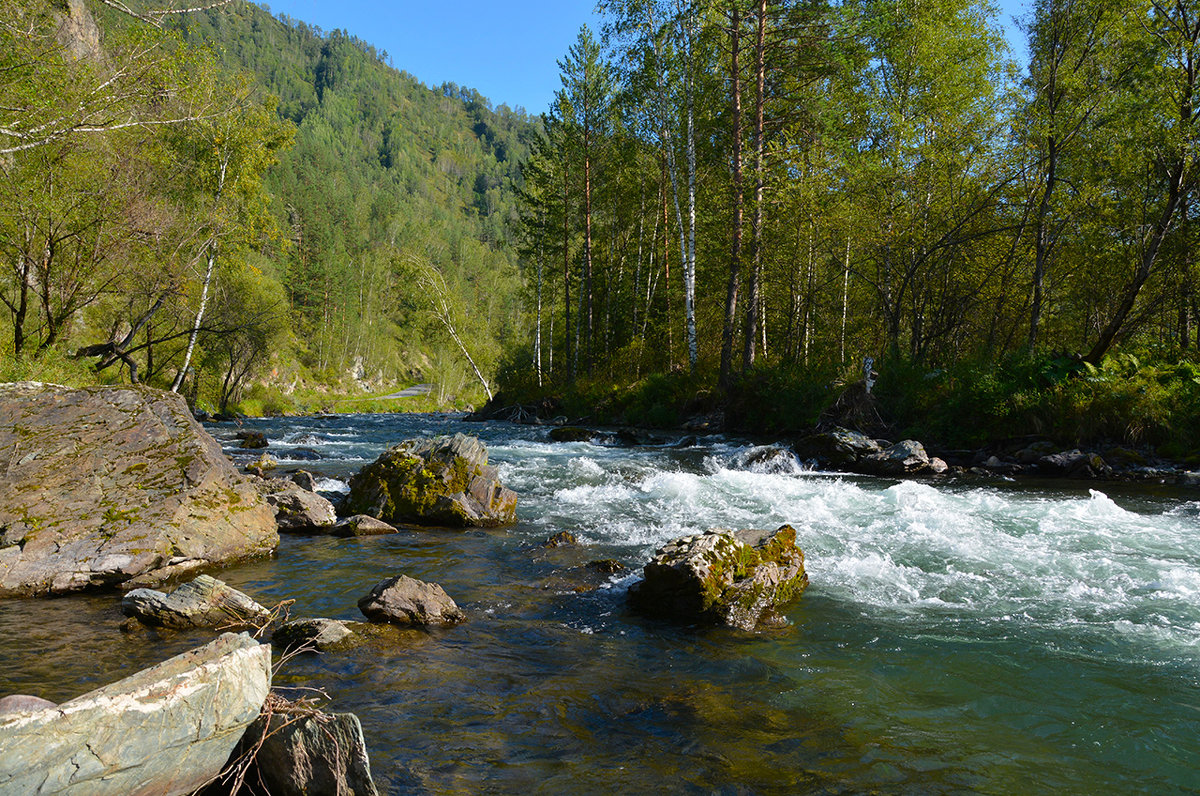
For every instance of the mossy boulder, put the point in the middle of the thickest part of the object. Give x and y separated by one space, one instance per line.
735 578
109 486
444 481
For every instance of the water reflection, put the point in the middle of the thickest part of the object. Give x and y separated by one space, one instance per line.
954 640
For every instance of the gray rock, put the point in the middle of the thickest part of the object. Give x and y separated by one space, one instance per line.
23 703
440 481
317 755
166 730
406 601
907 457
838 447
362 525
315 634
1074 464
204 602
296 508
304 480
739 579
105 484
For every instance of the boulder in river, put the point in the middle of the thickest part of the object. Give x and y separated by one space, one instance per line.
571 434
441 481
106 484
305 755
204 602
907 457
407 601
838 447
1074 464
251 440
313 634
362 525
734 578
296 508
166 730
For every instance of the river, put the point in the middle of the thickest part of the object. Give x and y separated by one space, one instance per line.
957 637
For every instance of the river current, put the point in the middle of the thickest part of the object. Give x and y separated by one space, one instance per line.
957 637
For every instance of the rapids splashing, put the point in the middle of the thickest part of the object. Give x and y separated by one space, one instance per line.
956 637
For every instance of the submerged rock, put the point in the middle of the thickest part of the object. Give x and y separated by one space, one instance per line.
406 601
105 484
738 579
166 730
313 634
441 481
561 539
204 602
571 434
363 525
321 754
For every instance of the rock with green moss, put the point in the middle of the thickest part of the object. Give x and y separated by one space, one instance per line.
108 486
444 481
739 579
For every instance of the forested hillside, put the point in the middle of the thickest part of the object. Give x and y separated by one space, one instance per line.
763 193
278 206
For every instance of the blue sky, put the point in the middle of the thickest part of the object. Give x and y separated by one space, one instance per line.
508 51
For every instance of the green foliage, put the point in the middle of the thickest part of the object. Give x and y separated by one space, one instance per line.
1124 401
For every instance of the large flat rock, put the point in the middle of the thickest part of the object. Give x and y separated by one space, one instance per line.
102 485
166 730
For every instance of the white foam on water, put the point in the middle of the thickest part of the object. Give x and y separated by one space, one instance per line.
981 553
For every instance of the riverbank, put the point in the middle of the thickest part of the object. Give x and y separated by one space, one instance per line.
1003 418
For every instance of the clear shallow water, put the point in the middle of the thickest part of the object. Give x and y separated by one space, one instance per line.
956 637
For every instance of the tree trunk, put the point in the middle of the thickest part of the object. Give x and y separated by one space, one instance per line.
753 299
735 254
208 272
1129 295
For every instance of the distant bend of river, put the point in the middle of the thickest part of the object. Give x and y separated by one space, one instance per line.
956 637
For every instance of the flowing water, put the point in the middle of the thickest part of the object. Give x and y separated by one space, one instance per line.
956 637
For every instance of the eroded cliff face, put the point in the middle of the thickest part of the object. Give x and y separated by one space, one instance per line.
103 486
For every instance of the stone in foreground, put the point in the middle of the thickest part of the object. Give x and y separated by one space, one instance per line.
406 601
441 481
106 484
316 755
739 579
166 730
204 602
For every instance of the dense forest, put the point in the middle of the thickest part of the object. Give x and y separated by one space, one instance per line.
728 210
236 205
757 195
